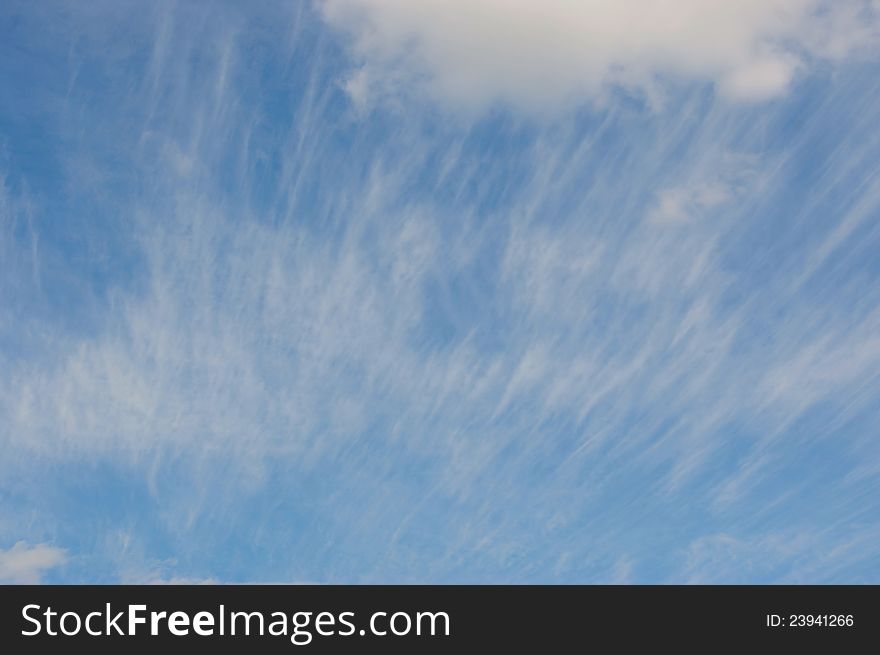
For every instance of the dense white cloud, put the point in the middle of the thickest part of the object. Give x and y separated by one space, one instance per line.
542 56
24 564
712 184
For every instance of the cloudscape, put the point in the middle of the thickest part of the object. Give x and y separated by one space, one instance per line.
480 291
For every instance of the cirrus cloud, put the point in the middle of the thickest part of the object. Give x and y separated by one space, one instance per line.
24 564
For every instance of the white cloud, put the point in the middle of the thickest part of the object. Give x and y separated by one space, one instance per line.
584 330
789 556
24 564
542 56
760 79
679 204
709 183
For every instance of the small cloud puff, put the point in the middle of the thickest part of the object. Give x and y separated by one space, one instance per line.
683 203
709 185
24 564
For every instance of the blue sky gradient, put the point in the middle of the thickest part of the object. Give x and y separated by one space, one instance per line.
288 296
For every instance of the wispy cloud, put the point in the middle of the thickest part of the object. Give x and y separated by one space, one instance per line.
558 54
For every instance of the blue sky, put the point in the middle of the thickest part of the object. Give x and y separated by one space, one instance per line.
376 291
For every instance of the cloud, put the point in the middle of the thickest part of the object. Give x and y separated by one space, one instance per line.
305 347
680 204
24 564
790 556
760 79
545 56
707 185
